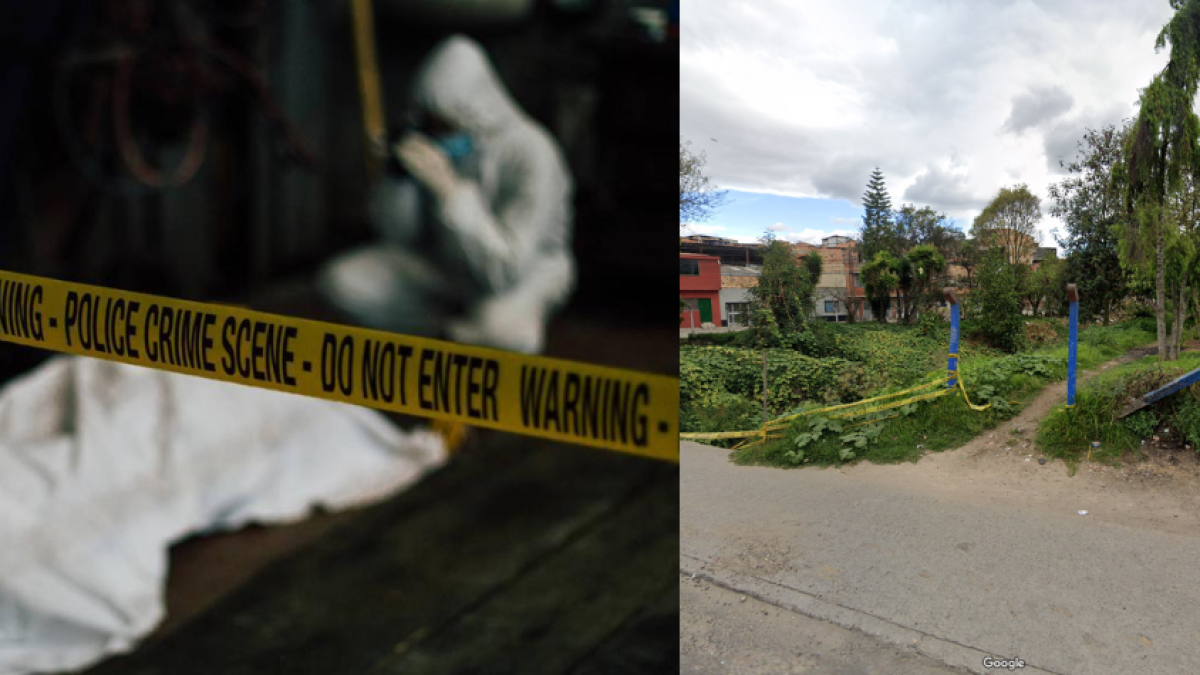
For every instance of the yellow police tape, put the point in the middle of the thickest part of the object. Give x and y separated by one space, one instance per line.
597 406
778 423
761 434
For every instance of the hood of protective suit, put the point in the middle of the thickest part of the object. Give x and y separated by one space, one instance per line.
458 84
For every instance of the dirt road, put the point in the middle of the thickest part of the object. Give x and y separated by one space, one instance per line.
966 554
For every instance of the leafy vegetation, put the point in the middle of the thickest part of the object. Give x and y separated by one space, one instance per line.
721 388
1009 223
998 307
939 424
705 373
783 297
1069 434
1089 204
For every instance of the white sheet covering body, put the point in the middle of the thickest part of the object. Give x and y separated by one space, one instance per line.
104 465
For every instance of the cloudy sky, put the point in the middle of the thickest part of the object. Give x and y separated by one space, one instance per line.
795 103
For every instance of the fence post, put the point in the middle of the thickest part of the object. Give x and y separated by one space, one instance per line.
952 366
1073 296
765 420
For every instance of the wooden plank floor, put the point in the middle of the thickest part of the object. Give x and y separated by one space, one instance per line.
516 557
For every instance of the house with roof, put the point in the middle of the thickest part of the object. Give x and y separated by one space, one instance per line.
700 289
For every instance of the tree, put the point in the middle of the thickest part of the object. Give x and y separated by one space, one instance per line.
699 199
998 302
784 288
969 256
924 226
878 231
1035 287
1161 147
1182 254
1023 279
925 265
1010 222
1090 206
814 263
1048 284
880 281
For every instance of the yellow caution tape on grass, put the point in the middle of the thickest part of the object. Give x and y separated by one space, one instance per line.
779 423
597 406
974 407
780 420
889 406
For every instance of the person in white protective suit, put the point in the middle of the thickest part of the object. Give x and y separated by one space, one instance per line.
477 236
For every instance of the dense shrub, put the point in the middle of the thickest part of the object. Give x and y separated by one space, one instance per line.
999 304
1045 331
732 339
1187 419
818 339
720 411
706 372
933 325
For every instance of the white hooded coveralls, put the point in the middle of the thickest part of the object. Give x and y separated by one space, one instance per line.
501 260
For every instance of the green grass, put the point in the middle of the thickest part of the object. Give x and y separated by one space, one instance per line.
1100 344
935 425
1069 434
1007 382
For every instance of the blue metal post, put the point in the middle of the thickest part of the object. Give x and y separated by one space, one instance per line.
952 367
1073 296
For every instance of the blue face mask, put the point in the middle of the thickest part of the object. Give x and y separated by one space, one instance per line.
457 146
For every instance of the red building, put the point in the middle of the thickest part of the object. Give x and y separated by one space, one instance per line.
700 288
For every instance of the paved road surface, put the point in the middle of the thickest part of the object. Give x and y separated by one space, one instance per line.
727 633
953 573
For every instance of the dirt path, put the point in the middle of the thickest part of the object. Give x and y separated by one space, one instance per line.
1162 491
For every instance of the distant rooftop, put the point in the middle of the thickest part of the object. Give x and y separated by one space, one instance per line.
1045 253
740 271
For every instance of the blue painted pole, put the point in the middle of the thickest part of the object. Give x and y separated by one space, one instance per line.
1073 296
952 367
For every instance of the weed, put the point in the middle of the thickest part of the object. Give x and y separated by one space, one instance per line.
1142 424
1187 419
1068 434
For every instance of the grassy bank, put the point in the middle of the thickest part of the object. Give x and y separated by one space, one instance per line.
1069 434
721 389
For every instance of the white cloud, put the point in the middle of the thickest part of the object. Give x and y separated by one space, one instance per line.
777 227
838 220
950 100
1037 107
812 236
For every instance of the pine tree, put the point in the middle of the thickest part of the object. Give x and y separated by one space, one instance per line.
877 219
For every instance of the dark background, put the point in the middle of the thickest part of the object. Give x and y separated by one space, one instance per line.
251 218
